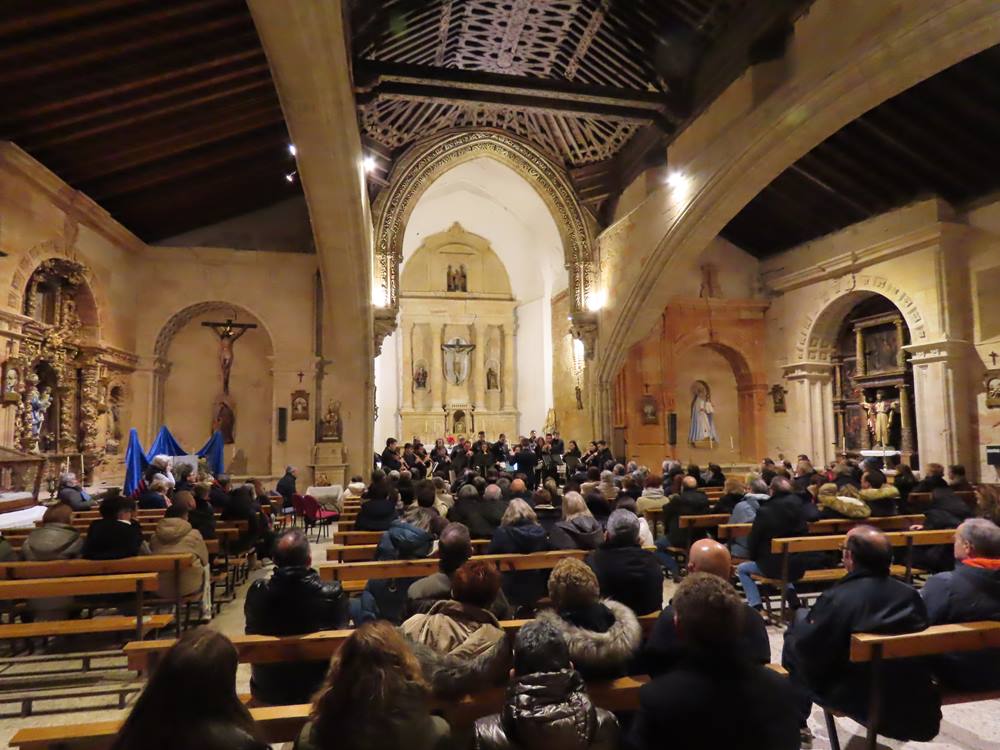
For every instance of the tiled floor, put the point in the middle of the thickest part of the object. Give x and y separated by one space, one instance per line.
971 727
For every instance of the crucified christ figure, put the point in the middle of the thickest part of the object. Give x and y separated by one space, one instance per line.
228 333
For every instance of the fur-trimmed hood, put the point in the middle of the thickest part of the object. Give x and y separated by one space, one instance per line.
596 654
451 676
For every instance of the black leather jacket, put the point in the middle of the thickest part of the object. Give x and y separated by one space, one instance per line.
548 710
293 601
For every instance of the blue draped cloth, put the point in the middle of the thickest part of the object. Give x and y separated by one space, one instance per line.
165 445
212 451
136 460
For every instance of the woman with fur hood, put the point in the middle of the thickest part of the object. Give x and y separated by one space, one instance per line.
842 503
603 635
459 642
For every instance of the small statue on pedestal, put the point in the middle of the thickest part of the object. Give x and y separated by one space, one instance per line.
880 418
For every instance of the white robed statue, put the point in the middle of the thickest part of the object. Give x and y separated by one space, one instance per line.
702 414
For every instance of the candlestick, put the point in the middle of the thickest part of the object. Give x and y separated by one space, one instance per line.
732 446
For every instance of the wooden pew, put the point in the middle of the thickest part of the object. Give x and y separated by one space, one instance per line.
833 525
923 499
356 537
938 639
788 546
366 552
139 583
381 569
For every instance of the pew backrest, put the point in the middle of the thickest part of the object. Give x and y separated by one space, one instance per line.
381 569
937 639
126 583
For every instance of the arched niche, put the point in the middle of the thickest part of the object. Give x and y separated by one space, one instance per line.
188 384
455 255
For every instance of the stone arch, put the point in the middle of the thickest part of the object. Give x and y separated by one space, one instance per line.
93 296
728 172
424 162
185 315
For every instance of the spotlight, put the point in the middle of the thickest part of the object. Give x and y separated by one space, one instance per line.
677 180
290 177
369 164
291 149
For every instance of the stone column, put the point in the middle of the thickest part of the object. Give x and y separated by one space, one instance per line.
812 401
906 425
437 389
944 398
866 435
479 366
89 401
507 382
406 364
859 347
900 342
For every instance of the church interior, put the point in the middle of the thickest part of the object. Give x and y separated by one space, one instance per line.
266 235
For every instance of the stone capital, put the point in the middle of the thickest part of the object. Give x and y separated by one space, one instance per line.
809 371
385 324
942 350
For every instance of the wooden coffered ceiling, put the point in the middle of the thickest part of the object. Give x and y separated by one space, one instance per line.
940 137
599 85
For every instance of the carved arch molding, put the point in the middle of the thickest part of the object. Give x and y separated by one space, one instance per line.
426 161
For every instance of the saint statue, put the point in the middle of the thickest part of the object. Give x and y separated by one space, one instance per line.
332 427
491 380
880 418
40 401
702 414
420 378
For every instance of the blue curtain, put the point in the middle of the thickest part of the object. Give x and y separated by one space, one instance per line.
135 462
165 444
213 452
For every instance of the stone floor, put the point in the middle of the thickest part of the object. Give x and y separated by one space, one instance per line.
971 727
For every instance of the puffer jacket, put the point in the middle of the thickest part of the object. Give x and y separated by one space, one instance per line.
53 541
455 629
583 532
174 536
843 505
548 711
883 502
744 512
602 639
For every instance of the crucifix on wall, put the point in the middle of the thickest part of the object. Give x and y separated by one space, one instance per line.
228 333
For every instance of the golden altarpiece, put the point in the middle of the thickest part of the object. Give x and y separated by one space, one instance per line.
457 323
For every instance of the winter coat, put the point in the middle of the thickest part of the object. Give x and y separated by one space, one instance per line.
408 724
716 700
652 498
780 516
583 532
203 519
481 516
602 638
843 505
111 539
293 601
727 502
664 648
76 498
946 511
376 514
427 591
53 541
174 536
455 629
969 593
630 575
150 500
817 654
883 502
522 587
386 597
548 711
687 503
456 674
286 488
745 512
426 519
599 508
609 490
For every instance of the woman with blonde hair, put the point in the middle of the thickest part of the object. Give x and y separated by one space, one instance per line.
374 697
732 492
578 528
519 533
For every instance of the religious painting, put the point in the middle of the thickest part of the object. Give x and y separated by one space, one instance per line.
11 383
649 410
300 406
702 432
331 427
992 389
420 376
456 360
778 397
855 420
881 349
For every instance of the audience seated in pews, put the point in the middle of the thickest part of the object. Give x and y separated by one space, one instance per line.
689 502
603 636
665 648
378 511
423 514
578 529
72 493
459 642
946 511
443 500
733 492
218 493
715 696
969 593
626 572
202 515
154 496
174 534
866 600
841 503
781 515
882 498
55 539
933 479
652 497
191 702
745 511
904 482
519 533
293 601
385 598
115 534
374 697
547 705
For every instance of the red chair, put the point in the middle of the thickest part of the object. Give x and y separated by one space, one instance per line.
298 508
317 517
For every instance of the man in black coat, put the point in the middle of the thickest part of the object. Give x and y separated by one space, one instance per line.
286 486
780 516
715 696
481 515
115 534
604 456
625 571
526 460
665 648
946 511
969 593
866 600
218 493
293 601
933 479
690 502
378 509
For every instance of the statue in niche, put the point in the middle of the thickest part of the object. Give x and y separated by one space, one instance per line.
11 381
40 400
492 382
457 279
332 426
880 414
113 416
224 419
702 414
420 377
579 398
778 396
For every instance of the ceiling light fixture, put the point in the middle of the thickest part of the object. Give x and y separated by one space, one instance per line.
369 164
292 150
290 177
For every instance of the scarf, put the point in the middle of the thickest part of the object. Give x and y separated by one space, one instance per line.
989 563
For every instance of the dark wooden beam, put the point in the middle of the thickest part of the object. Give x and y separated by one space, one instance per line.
34 15
375 80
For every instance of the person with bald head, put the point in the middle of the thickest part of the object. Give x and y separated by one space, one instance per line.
664 648
866 600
